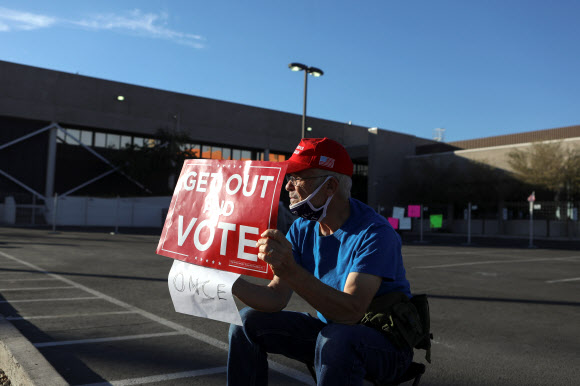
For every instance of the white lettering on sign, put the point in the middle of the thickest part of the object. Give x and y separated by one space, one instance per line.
198 244
213 205
181 236
246 193
233 185
266 179
225 227
191 185
246 243
202 181
229 189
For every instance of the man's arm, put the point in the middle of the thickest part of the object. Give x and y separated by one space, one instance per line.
271 298
347 306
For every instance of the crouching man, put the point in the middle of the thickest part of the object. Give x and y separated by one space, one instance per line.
338 255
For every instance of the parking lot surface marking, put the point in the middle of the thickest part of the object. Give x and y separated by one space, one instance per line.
497 262
33 288
101 340
162 378
563 280
49 300
92 314
179 329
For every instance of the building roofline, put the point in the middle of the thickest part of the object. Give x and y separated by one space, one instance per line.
519 138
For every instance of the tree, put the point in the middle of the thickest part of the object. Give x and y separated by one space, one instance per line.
548 165
157 164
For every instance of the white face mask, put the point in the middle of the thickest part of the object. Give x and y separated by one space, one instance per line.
306 210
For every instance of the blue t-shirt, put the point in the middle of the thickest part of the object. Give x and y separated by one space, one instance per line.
365 243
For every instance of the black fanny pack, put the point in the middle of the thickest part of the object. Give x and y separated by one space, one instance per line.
405 322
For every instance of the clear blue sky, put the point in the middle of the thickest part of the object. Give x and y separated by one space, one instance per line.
475 68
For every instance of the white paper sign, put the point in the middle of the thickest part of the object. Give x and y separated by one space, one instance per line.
398 212
405 223
204 292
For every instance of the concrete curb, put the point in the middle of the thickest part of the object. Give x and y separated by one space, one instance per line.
22 362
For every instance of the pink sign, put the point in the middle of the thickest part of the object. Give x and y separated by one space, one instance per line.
218 211
394 222
414 210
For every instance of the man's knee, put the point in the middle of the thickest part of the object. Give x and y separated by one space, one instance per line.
336 338
251 321
236 330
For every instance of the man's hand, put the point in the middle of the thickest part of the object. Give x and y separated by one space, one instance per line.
276 250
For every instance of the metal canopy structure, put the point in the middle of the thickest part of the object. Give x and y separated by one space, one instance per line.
51 164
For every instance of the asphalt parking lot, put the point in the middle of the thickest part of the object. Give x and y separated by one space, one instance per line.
96 306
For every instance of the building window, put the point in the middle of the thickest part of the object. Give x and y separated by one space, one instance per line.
100 139
87 137
216 152
205 152
113 141
195 151
70 133
277 157
361 169
125 141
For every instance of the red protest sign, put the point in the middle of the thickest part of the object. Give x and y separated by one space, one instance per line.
218 211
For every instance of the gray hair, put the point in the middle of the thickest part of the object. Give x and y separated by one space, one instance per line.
344 182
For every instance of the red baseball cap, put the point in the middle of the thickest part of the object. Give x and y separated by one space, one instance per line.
320 153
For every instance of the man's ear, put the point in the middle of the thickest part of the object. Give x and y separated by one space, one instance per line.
332 186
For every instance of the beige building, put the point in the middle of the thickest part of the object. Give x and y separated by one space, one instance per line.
494 150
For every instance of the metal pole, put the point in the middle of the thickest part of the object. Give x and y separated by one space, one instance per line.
50 163
304 108
531 225
117 217
421 225
469 223
54 209
33 209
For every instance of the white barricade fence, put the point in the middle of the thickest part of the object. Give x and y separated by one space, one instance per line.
93 211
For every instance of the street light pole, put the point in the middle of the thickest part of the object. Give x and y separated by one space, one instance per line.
304 107
316 72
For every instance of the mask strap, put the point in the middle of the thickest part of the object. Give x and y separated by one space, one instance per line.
307 199
316 191
325 207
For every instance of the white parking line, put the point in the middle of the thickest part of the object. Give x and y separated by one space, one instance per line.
495 262
92 314
100 340
36 279
48 300
162 378
33 288
287 371
563 280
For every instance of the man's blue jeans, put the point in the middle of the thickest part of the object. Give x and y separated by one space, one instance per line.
341 354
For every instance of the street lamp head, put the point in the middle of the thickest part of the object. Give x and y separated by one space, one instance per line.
297 67
316 72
